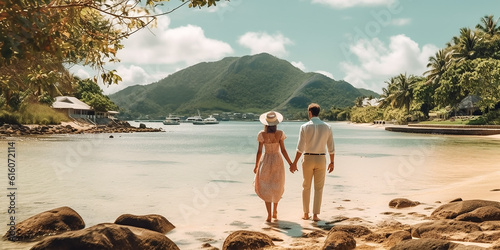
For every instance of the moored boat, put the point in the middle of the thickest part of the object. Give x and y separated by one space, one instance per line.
172 120
210 120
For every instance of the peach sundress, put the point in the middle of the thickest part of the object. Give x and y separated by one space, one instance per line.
270 177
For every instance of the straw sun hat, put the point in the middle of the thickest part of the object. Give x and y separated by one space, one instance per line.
271 118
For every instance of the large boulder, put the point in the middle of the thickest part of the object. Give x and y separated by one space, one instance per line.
152 222
354 230
427 244
52 222
403 203
108 236
243 239
487 213
339 240
454 209
397 237
446 229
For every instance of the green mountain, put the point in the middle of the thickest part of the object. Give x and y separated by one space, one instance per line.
235 84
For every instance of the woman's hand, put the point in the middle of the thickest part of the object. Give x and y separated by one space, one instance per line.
255 170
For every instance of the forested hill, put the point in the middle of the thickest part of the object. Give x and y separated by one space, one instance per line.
236 84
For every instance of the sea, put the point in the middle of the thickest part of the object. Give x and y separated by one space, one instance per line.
200 177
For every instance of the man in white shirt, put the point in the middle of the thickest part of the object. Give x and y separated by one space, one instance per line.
315 141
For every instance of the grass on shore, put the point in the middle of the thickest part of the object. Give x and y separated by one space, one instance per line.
447 122
33 114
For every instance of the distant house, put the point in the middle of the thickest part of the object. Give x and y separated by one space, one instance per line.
371 102
75 108
468 106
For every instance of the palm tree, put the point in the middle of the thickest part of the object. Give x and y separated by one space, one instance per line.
385 100
401 91
488 25
466 46
438 65
359 101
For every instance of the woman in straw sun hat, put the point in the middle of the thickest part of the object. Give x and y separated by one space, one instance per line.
269 168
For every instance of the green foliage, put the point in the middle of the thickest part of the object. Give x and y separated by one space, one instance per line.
336 114
396 115
366 114
90 93
7 118
483 79
239 84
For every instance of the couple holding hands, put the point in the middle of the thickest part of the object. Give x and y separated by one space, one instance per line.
315 143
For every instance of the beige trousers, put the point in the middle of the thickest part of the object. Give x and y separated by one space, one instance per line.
313 169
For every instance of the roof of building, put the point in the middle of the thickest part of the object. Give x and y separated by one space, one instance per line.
69 102
469 102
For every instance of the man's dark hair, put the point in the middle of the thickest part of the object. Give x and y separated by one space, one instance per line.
314 108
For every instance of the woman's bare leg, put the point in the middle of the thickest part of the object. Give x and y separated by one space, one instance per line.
268 207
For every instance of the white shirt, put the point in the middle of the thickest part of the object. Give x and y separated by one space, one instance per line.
316 137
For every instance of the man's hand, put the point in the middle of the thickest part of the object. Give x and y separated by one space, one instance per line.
293 167
330 167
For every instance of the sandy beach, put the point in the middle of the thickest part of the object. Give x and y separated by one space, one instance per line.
366 179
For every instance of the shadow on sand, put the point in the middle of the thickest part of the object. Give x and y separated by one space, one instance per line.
289 228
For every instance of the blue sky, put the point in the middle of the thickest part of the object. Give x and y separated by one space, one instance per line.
364 42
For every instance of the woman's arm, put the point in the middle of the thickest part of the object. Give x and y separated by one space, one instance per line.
257 157
284 153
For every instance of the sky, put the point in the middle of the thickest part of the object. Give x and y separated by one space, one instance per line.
363 42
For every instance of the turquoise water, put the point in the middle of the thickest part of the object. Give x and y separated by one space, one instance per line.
200 177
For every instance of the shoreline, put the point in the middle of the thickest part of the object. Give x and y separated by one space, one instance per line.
477 130
8 130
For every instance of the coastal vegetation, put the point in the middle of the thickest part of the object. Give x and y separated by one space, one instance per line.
40 40
468 67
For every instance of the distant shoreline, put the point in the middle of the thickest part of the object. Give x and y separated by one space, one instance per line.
9 130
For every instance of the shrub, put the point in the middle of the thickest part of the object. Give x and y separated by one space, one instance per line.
39 114
7 118
365 114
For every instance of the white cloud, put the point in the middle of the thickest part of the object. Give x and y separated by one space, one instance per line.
325 73
299 65
259 42
343 4
81 73
132 75
164 45
400 21
379 62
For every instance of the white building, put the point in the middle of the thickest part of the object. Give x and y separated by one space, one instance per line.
75 108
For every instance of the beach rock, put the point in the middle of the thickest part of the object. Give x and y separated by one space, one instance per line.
402 203
488 213
427 244
339 240
397 237
446 229
490 226
47 223
452 210
152 222
243 239
142 125
354 230
495 245
108 236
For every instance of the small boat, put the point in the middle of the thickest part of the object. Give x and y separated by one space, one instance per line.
172 120
194 119
198 122
210 120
